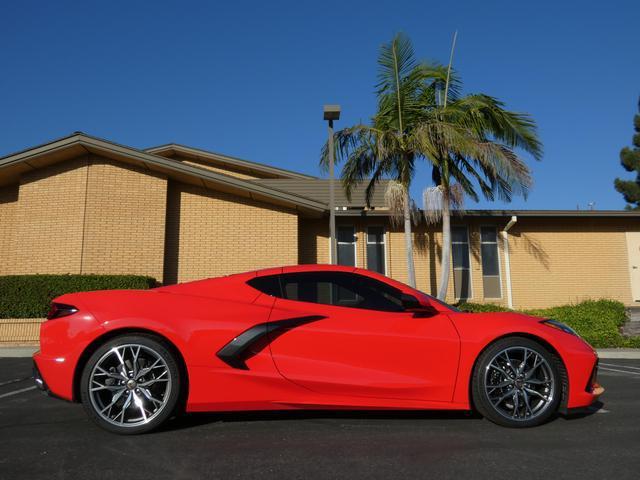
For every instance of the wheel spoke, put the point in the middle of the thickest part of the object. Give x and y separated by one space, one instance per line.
147 394
502 398
524 361
146 370
135 361
114 399
537 394
139 403
516 404
537 362
525 397
534 381
509 363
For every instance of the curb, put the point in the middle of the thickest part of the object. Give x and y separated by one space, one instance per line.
18 352
620 353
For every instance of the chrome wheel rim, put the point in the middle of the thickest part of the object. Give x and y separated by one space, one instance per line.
130 385
519 383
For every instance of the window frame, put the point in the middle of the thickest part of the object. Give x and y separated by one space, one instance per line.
355 245
467 228
495 227
281 280
384 243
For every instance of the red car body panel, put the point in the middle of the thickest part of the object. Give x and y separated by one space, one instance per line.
337 357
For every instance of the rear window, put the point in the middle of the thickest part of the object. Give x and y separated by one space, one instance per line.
269 285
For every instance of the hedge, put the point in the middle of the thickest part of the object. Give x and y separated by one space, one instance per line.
597 321
29 296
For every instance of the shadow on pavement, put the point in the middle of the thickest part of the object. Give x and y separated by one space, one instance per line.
197 419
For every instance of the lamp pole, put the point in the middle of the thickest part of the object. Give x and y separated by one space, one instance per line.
331 113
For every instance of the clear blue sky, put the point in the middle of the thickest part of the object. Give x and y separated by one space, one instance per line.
249 78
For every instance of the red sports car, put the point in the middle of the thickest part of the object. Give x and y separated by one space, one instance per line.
304 337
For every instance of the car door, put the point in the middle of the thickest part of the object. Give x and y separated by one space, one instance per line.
347 334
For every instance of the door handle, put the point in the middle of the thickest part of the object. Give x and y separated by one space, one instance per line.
634 267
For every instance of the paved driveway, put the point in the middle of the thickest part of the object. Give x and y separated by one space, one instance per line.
42 437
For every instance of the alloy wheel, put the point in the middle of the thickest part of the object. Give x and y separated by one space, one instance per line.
130 385
519 383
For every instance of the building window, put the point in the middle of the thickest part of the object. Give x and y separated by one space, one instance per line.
460 253
376 253
346 240
490 262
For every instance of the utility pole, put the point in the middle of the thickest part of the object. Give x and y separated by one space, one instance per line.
331 113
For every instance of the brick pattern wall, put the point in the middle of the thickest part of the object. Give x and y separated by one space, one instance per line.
214 233
124 220
8 209
553 261
87 215
49 219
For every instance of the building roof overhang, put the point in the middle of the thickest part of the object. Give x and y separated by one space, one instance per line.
77 144
225 161
510 213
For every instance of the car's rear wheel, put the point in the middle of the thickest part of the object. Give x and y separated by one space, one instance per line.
131 384
517 382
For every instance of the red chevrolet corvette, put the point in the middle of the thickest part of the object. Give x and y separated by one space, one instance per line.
304 337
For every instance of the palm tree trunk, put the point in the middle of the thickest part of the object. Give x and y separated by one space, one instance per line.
446 245
408 238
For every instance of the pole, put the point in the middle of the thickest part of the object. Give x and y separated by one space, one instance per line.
332 209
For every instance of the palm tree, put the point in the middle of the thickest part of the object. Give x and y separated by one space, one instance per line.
387 148
477 150
469 142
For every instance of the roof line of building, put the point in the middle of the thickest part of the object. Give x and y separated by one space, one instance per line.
509 213
228 160
147 159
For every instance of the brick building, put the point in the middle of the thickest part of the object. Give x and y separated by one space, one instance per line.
85 205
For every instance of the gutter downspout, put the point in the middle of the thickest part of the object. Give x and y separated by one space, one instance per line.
507 263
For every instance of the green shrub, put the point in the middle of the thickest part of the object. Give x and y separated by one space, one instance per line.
481 307
29 296
597 321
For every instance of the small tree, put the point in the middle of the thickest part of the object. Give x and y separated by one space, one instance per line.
630 160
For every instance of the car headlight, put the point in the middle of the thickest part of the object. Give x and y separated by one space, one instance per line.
560 326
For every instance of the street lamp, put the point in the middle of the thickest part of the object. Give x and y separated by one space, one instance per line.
331 113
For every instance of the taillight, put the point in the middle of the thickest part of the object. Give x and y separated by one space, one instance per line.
58 310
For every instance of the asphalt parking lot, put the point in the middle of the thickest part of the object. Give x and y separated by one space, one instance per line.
46 438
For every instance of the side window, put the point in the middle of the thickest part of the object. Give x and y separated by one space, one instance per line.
376 250
269 285
341 289
346 244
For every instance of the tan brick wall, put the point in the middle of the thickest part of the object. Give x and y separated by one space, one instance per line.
8 210
49 219
87 215
214 233
553 261
556 261
125 218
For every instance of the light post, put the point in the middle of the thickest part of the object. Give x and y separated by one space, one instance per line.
331 113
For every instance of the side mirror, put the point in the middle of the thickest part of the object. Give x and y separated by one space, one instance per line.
409 302
412 304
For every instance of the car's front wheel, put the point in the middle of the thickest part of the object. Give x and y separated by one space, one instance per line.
517 382
131 384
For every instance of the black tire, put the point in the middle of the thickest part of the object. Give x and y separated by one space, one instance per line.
170 381
524 416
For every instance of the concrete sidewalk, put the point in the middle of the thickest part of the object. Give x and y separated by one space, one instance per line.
17 352
625 353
